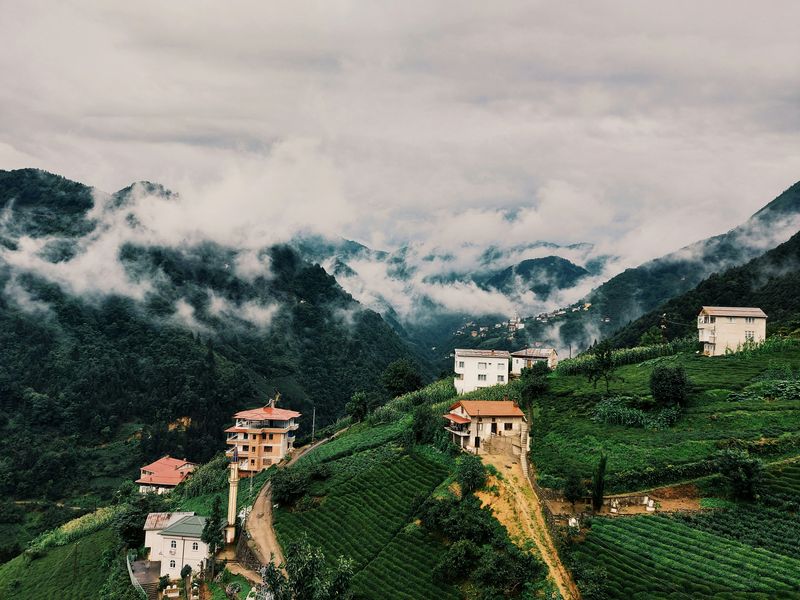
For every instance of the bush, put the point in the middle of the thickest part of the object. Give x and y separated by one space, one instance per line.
742 473
470 474
289 485
669 385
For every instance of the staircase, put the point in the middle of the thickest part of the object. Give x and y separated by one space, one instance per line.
151 589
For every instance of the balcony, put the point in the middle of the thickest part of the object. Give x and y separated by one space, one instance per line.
463 432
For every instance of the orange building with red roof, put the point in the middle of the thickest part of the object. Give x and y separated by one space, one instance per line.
164 474
473 423
261 437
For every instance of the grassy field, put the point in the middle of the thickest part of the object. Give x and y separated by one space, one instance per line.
782 484
69 572
660 557
248 490
364 512
727 403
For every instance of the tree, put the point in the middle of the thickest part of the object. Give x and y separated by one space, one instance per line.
652 337
669 385
574 489
599 483
742 472
185 572
534 383
360 405
424 424
401 377
307 577
470 474
602 365
212 532
288 485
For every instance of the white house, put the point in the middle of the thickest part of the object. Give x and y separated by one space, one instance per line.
525 358
174 541
479 369
471 423
728 328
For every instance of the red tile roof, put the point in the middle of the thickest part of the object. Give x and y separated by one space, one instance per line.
267 412
489 408
166 471
456 418
161 520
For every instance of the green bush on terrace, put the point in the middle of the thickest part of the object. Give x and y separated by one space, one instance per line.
626 356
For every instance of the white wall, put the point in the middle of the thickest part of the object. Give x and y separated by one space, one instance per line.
468 371
482 427
183 554
729 333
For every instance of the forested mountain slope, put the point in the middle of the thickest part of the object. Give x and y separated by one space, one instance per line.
93 383
771 282
636 291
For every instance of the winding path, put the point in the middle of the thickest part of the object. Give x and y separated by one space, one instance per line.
519 509
259 521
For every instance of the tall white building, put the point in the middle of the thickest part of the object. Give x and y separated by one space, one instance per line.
728 328
477 369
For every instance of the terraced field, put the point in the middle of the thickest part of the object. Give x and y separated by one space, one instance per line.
783 483
368 518
659 557
356 439
67 572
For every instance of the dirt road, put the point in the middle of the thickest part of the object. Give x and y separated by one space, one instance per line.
518 508
259 521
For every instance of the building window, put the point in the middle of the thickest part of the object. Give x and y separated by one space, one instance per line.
270 436
173 544
749 319
245 447
268 449
500 366
480 426
263 436
749 335
461 364
252 461
481 377
508 426
731 319
481 366
172 564
501 378
195 546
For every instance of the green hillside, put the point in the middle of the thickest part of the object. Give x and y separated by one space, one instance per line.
93 386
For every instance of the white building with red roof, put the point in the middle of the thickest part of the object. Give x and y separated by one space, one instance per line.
163 475
261 437
474 423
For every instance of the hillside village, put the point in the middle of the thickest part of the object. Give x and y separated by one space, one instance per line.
267 493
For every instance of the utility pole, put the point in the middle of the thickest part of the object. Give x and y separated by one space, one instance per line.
313 423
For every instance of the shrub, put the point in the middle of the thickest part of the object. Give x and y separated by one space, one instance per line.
669 385
470 474
742 472
288 485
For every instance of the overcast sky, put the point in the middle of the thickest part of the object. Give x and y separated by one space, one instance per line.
639 126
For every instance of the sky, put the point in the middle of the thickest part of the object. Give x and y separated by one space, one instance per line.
636 126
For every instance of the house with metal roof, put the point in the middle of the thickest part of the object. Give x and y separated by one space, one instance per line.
174 540
475 424
477 369
525 358
724 329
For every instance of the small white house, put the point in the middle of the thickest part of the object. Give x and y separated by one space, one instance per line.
477 369
471 423
174 541
525 358
728 328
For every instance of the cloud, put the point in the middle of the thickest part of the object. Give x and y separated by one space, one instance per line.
639 129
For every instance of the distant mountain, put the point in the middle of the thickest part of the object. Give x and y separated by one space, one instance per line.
636 291
542 276
184 334
770 282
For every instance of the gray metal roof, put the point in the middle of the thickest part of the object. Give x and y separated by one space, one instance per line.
191 526
733 311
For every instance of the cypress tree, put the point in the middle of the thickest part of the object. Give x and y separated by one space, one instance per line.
599 483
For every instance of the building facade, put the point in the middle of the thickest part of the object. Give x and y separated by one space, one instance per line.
473 423
724 329
522 359
477 369
163 475
174 541
261 437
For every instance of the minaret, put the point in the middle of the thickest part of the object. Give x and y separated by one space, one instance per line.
233 480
